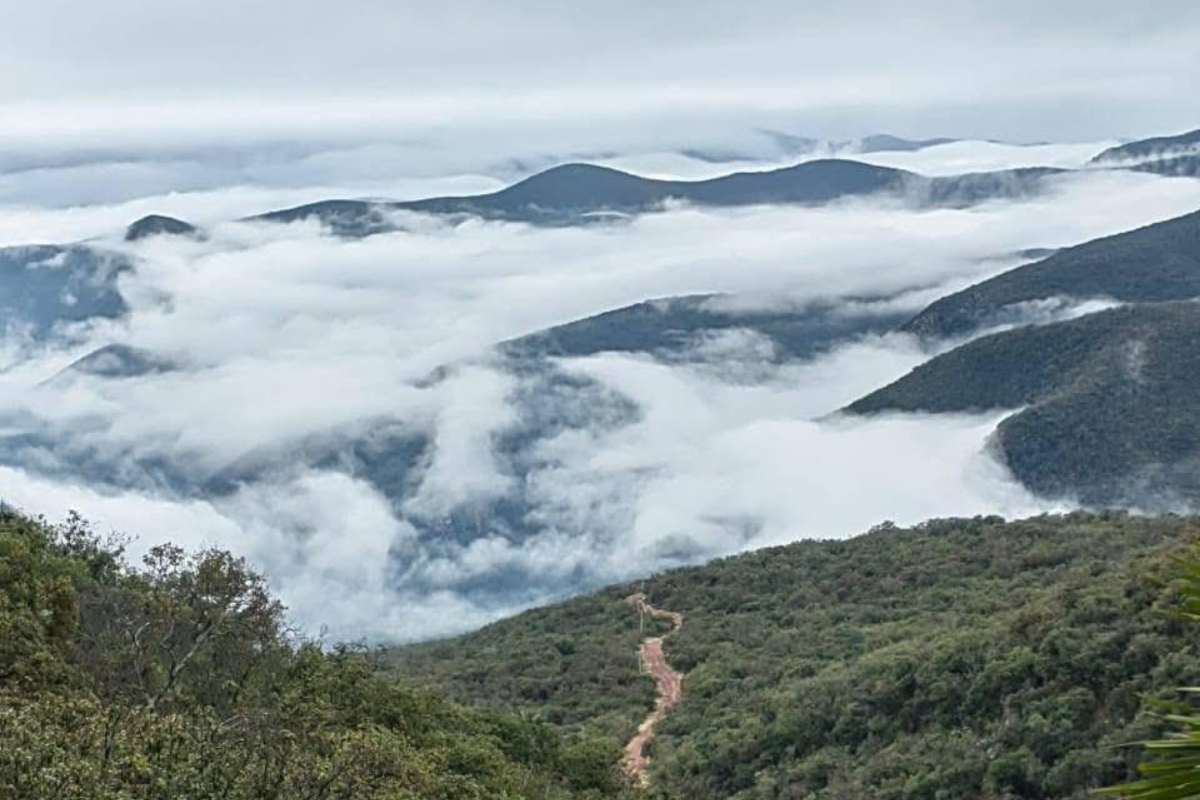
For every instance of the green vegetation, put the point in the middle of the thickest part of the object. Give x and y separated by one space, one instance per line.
957 659
180 680
1173 774
574 663
1110 399
1157 263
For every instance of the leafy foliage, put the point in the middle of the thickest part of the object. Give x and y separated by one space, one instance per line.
180 679
958 659
1175 774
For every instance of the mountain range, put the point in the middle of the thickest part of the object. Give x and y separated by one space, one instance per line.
575 193
1101 407
579 193
52 284
1084 424
957 658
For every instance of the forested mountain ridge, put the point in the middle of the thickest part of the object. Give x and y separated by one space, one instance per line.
1155 263
1106 404
579 192
960 658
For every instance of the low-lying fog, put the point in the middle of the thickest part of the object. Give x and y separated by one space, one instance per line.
283 333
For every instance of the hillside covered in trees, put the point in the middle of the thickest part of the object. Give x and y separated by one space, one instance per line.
1108 402
958 659
1153 264
181 680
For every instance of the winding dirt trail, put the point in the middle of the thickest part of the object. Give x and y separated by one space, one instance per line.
670 687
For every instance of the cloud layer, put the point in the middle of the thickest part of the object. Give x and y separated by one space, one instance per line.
337 414
145 90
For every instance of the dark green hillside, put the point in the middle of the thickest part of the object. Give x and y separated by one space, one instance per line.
958 659
1159 262
1111 402
180 680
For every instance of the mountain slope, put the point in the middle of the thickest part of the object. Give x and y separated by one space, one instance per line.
1157 148
962 658
676 328
1155 263
565 193
43 287
1175 166
118 361
1111 402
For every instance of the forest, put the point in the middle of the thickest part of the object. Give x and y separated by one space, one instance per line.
181 678
959 658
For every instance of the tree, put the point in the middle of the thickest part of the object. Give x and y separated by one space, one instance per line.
198 625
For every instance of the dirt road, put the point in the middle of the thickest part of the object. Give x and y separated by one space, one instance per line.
670 686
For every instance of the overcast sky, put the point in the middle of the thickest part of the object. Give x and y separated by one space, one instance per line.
77 74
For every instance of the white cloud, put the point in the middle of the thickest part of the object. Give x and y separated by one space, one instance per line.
462 469
958 158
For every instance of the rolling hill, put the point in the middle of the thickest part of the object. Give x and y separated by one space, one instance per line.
574 193
158 225
1106 406
1159 262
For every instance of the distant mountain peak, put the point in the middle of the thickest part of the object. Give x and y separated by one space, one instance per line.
158 225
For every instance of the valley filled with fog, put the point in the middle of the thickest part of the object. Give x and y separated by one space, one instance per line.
354 415
458 400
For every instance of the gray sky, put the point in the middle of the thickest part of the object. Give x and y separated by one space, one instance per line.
143 73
